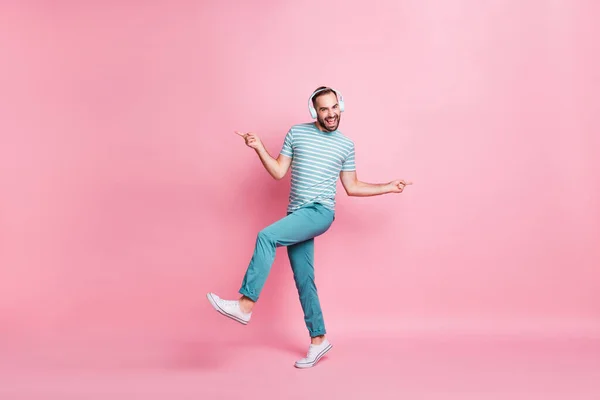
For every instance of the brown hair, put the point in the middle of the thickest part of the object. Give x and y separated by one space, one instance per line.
323 90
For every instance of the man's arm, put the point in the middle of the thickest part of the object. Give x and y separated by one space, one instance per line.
278 167
354 187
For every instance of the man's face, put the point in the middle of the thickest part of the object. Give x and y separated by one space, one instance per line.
328 112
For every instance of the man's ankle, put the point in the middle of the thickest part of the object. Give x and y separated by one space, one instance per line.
317 340
246 304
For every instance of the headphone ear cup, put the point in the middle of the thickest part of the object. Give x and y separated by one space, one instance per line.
311 108
341 103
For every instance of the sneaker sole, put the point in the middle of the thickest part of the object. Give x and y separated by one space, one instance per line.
312 364
221 311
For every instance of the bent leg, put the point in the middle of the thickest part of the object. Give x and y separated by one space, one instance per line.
299 226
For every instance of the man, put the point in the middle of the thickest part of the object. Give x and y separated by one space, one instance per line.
318 154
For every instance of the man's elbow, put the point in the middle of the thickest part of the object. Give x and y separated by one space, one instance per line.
278 175
350 190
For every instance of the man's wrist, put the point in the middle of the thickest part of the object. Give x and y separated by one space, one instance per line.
260 151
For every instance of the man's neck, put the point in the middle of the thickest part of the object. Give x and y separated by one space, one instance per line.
320 128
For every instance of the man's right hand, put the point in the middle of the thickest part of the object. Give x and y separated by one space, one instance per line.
277 168
252 140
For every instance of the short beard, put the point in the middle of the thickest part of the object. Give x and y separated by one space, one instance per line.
322 123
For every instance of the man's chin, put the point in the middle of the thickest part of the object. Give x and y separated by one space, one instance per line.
330 128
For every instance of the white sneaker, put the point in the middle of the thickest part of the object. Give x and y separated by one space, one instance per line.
315 352
229 308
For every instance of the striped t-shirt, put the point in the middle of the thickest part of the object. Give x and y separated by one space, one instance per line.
317 160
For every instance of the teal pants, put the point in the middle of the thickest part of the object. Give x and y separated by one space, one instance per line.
296 231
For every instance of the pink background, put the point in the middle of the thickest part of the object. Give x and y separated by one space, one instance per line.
126 196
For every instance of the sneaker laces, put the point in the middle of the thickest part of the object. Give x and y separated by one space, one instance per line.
312 351
231 303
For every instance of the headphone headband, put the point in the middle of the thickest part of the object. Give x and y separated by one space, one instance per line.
311 108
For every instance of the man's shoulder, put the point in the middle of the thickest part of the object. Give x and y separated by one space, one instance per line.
302 127
343 138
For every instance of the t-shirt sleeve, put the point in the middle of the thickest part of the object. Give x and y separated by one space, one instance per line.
349 163
287 148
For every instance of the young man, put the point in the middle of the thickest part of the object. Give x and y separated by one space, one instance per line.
318 155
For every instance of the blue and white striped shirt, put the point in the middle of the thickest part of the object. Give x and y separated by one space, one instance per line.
317 160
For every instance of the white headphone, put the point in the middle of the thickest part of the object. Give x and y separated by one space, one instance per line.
311 108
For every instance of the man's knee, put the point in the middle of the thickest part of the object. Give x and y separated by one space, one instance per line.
264 236
304 275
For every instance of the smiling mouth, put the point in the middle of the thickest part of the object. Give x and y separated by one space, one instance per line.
330 121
